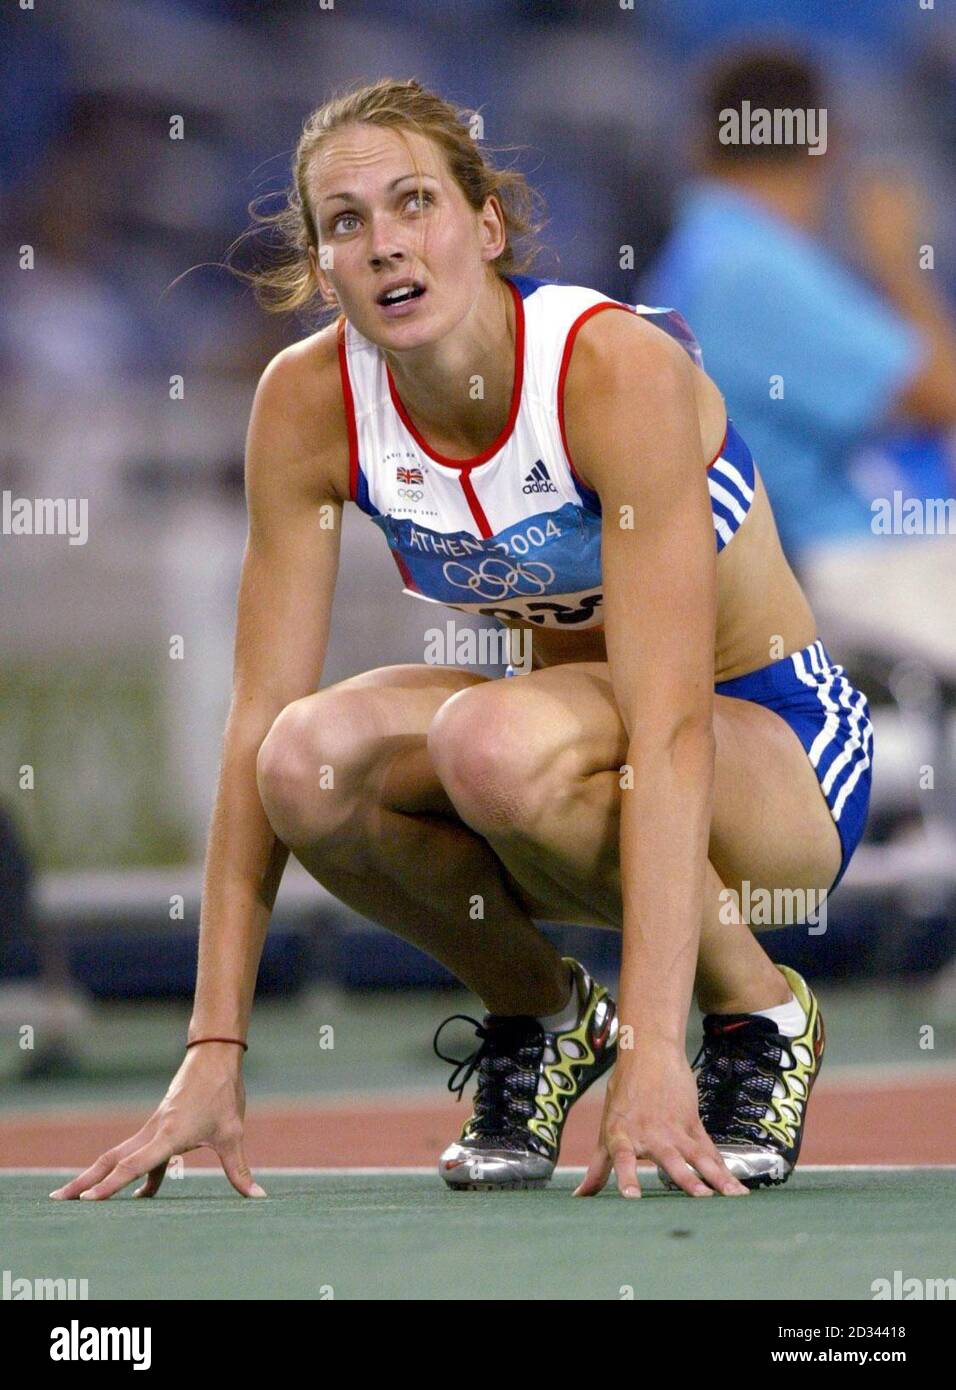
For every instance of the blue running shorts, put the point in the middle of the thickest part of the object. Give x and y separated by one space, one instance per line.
832 721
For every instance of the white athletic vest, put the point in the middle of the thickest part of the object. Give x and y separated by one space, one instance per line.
512 533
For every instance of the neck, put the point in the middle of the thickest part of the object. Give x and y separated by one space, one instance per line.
458 390
793 197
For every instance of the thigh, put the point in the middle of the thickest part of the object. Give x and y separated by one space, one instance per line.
396 705
771 824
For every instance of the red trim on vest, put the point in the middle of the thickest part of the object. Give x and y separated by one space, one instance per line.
721 449
505 434
573 331
477 511
562 377
349 400
404 571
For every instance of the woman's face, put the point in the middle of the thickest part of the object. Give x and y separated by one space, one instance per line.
405 270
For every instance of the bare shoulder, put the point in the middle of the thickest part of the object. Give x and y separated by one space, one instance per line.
622 353
298 416
613 347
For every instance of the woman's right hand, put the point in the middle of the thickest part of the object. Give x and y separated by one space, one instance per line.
203 1108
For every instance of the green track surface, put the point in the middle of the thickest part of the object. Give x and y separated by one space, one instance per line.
826 1235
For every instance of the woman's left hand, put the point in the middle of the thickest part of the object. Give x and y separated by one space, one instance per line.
650 1111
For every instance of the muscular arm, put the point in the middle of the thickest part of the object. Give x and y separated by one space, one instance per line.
295 444
633 433
295 452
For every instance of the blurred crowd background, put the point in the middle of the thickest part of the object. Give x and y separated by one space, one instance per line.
810 269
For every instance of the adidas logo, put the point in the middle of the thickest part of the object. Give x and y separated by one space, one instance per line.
538 480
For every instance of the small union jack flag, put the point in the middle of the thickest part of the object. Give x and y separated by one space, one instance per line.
409 475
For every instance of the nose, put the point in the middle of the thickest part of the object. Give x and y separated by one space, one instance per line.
385 246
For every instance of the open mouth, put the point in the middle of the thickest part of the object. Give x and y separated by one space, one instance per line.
400 294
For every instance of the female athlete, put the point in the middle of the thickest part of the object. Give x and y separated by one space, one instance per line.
681 740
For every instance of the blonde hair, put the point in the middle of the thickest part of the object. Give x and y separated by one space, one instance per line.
289 283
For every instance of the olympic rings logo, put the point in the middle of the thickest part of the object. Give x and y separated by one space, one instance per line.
497 577
414 494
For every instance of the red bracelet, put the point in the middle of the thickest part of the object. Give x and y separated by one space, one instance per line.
237 1041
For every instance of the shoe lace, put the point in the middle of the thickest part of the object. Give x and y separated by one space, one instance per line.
507 1060
737 1065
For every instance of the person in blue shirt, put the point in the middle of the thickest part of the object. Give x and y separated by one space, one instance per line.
813 358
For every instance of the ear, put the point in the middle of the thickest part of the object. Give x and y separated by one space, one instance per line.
491 229
322 279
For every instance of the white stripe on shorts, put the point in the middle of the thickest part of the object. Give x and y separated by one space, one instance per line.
739 481
854 776
853 742
721 527
831 724
727 499
861 730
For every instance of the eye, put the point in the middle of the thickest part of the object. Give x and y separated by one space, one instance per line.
425 199
344 217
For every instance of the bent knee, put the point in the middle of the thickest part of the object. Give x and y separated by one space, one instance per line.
500 762
305 768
